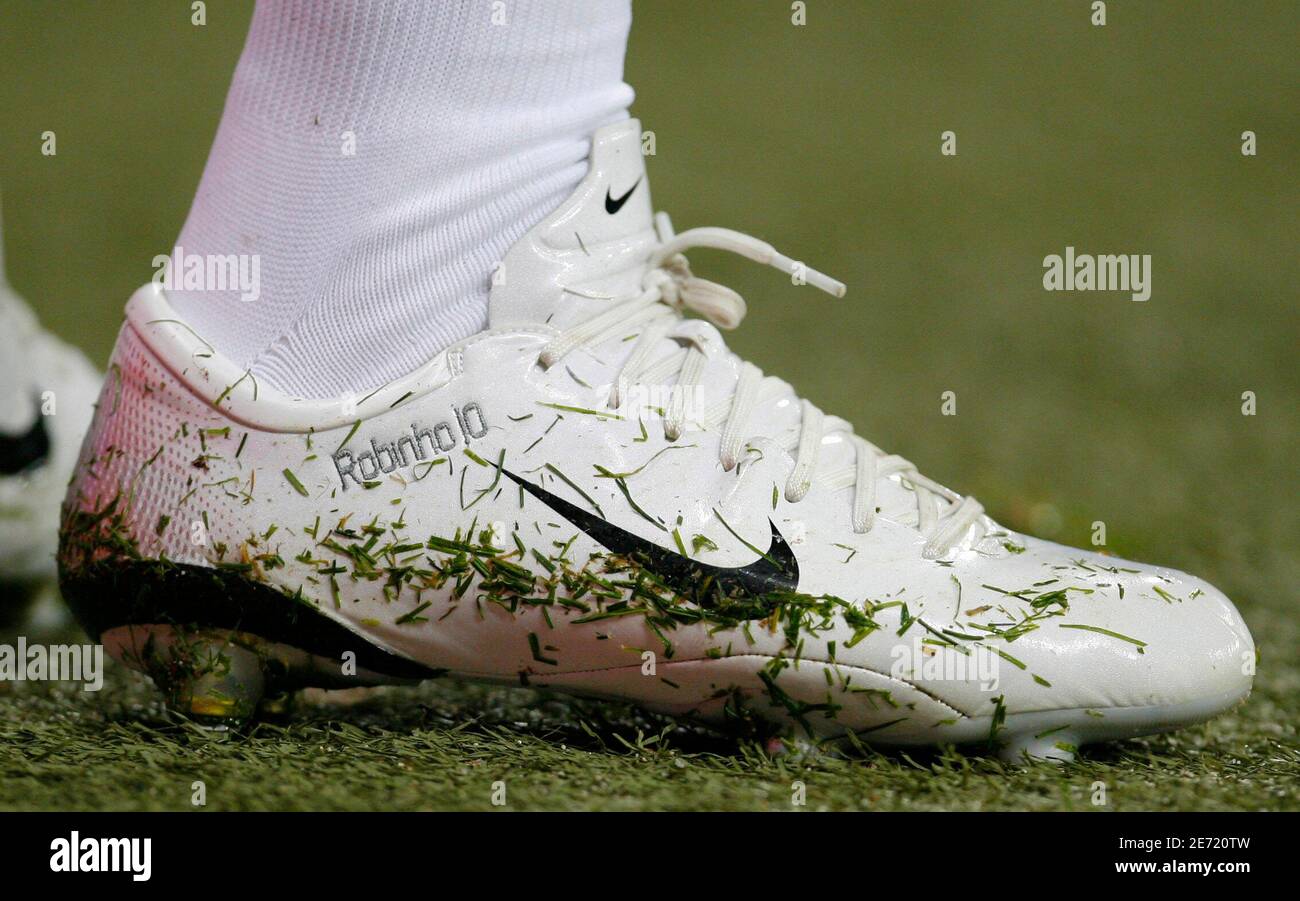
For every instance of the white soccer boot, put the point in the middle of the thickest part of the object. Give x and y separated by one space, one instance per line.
596 496
47 392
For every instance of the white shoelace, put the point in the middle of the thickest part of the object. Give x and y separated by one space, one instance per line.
668 290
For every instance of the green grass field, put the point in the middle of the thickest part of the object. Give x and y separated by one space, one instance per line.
824 140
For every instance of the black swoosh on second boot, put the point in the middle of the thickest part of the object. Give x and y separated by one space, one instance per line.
21 452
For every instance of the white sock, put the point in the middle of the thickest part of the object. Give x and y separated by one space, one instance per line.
467 133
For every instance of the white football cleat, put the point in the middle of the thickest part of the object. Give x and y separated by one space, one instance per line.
594 495
47 392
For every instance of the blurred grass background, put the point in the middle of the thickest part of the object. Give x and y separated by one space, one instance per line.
825 140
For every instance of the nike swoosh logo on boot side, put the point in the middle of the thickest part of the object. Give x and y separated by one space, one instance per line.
19 452
776 570
612 204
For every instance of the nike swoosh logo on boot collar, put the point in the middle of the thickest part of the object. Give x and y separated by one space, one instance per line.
614 204
776 570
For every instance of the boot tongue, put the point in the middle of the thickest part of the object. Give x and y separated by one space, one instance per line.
595 244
